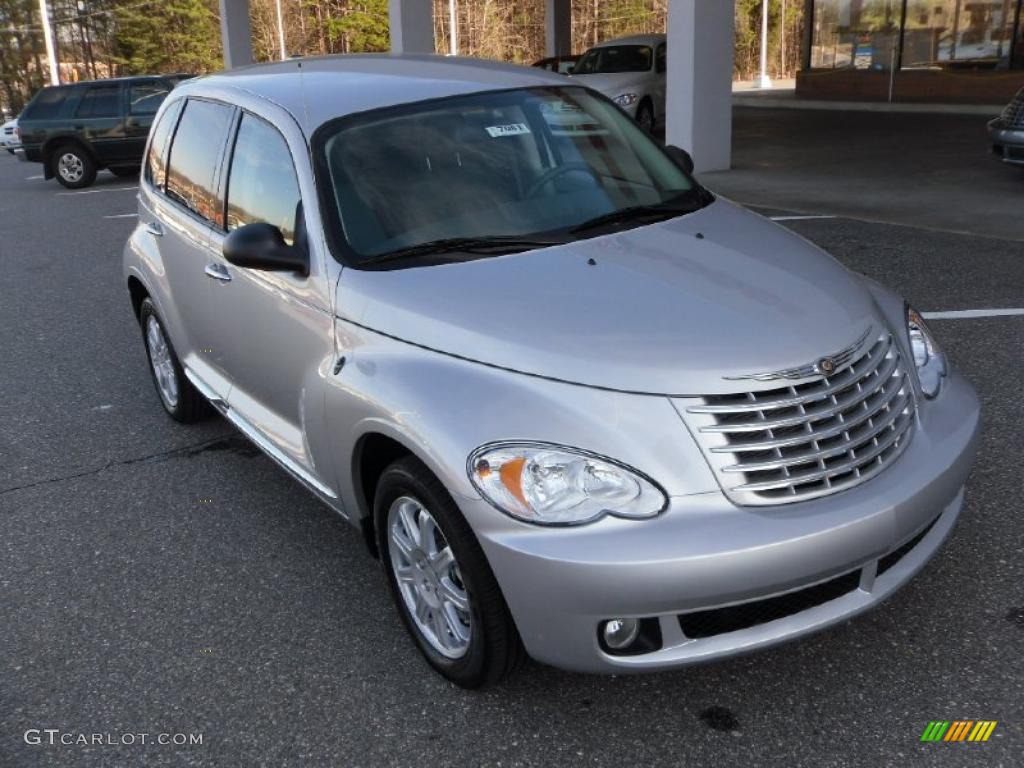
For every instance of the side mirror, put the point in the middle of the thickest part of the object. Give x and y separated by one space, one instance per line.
262 246
680 157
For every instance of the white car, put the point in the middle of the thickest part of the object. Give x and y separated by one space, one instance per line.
9 138
631 72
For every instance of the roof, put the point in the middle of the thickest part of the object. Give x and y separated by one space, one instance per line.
122 79
650 39
317 89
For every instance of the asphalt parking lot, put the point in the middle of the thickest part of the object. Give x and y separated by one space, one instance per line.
165 579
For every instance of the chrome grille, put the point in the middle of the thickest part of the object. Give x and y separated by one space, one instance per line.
1013 115
797 442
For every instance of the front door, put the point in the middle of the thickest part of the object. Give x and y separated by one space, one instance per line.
281 332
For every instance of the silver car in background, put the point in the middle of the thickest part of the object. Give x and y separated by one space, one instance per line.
1006 132
580 407
631 72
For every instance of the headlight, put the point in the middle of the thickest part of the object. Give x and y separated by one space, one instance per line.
928 358
626 99
552 485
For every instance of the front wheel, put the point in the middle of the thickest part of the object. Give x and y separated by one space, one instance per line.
440 581
73 166
645 116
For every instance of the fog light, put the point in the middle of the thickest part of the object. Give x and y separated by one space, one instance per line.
620 633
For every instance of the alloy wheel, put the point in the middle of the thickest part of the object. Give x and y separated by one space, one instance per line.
428 578
162 363
70 167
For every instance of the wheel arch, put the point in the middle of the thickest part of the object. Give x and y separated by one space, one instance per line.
138 293
61 140
373 453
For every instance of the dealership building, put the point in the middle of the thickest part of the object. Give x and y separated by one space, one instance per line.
949 51
945 51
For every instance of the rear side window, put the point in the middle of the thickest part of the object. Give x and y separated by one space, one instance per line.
193 158
156 163
145 98
100 101
46 105
262 185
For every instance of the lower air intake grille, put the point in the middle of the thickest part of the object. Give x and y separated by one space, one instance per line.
718 621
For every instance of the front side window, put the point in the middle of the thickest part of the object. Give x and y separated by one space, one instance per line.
145 98
100 101
615 58
193 158
262 186
540 163
156 163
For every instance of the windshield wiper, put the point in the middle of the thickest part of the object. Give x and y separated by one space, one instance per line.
477 245
636 213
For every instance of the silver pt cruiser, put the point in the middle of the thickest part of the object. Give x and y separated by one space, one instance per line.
580 407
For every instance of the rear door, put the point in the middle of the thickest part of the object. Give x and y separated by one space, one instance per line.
99 119
182 206
144 99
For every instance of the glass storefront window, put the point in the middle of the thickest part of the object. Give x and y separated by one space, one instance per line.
941 33
862 34
946 34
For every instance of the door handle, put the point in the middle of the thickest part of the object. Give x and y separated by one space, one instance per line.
154 228
218 272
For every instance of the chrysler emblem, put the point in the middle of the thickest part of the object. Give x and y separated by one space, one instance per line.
823 366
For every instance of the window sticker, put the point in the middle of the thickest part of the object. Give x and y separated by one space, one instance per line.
512 129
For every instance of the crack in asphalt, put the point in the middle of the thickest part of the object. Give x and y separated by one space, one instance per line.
233 443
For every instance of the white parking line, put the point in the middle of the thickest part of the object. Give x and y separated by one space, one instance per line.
121 216
800 218
33 178
967 314
104 189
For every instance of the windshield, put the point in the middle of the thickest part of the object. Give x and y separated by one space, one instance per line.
527 164
614 58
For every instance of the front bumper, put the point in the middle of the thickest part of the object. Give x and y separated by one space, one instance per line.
705 553
19 152
1007 143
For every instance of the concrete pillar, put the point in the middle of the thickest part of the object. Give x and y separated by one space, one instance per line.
557 27
699 80
412 26
235 33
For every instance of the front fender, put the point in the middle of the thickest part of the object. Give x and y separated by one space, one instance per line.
441 408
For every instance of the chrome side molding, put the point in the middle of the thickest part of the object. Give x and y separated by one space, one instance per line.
250 431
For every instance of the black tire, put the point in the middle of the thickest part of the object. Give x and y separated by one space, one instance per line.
189 405
126 173
80 160
645 116
495 649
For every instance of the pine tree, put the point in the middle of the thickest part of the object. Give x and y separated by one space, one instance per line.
168 36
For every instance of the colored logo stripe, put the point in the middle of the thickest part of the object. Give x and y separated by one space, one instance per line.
958 730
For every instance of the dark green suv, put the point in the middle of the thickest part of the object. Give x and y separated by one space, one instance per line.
75 130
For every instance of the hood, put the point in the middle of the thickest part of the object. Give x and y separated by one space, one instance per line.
661 311
612 84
